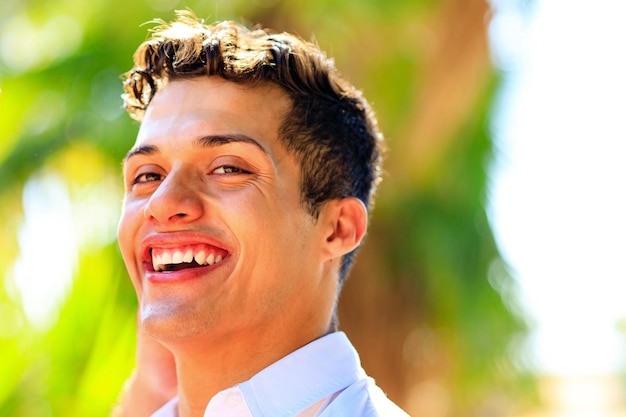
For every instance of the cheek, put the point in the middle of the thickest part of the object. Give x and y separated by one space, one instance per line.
126 231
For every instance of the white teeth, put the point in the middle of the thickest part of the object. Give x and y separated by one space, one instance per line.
177 257
167 257
200 257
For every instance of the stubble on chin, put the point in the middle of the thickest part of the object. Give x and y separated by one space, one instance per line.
173 321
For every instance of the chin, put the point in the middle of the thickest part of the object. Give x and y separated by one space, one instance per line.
172 322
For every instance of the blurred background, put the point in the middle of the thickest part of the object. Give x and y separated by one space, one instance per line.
491 281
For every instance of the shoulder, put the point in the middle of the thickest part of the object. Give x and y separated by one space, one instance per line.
363 399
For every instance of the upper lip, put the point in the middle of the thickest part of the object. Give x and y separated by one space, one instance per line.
177 239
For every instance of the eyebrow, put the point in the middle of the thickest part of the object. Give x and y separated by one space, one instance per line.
141 150
217 140
206 141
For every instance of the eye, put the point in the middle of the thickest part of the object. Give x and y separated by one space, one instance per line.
228 169
147 177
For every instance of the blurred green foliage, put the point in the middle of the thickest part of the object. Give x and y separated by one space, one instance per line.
67 339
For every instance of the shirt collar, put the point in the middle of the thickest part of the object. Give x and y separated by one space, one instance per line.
319 369
168 410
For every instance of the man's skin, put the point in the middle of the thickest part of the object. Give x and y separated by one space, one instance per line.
209 177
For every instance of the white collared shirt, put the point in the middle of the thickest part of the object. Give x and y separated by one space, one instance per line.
321 379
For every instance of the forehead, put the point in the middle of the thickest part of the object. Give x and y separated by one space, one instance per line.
214 106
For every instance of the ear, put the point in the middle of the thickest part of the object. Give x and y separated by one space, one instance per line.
346 221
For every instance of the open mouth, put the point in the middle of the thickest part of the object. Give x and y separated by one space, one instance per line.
176 259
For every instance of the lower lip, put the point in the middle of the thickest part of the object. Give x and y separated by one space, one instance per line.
168 277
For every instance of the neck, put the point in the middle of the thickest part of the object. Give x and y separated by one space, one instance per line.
205 368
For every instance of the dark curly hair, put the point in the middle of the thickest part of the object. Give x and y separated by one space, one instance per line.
331 128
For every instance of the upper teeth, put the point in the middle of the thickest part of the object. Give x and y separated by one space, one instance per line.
202 256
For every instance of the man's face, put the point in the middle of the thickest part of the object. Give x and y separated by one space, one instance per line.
213 232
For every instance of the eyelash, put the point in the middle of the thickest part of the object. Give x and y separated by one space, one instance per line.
144 177
226 170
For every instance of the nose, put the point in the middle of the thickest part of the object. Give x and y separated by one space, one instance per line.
175 200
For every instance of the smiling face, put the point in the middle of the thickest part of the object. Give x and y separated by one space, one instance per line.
213 231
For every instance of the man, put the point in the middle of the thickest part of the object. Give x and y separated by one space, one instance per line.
246 196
